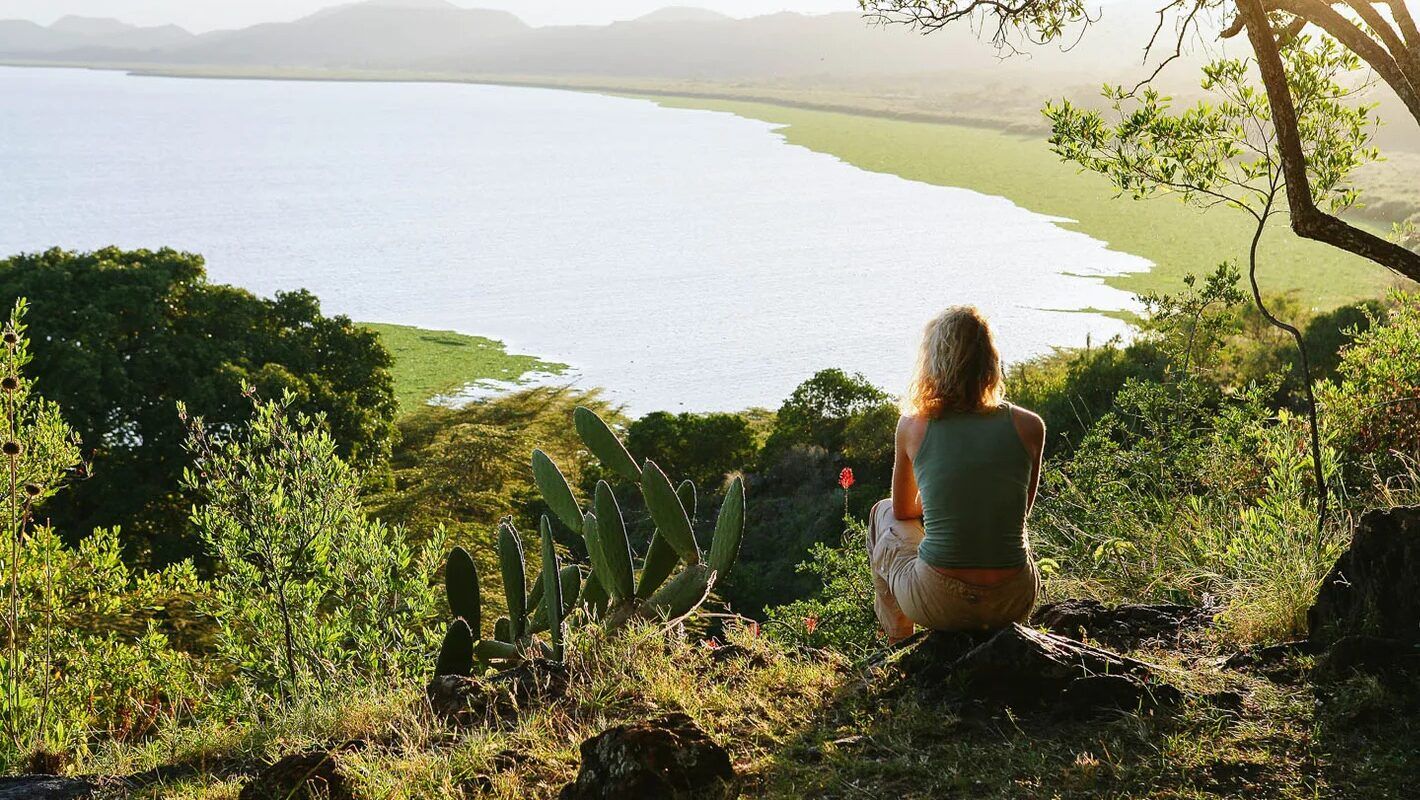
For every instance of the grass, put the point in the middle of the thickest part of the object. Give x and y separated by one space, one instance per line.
802 724
431 363
1177 238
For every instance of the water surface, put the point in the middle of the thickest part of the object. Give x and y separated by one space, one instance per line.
683 259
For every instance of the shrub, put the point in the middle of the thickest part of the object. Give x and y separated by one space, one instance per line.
840 614
303 573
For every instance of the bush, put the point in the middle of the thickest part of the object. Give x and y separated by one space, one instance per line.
302 572
840 614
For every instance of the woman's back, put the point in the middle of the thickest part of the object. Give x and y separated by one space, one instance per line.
974 475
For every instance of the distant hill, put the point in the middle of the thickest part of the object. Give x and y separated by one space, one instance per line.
90 26
835 60
380 34
682 14
673 43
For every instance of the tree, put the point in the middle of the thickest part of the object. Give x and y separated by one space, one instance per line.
1225 154
820 409
1386 41
701 447
124 335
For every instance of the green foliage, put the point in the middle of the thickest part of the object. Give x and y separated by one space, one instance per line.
1375 401
303 573
1224 153
86 647
128 334
839 615
703 447
820 410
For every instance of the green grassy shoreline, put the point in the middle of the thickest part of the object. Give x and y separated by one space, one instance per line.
430 363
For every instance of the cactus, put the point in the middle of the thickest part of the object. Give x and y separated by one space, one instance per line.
556 492
685 493
729 530
668 513
461 588
615 550
456 653
658 565
552 588
604 444
510 563
612 593
682 595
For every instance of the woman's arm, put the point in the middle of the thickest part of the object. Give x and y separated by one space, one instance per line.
906 502
1031 429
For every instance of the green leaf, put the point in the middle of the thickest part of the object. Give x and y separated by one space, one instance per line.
556 492
604 443
668 513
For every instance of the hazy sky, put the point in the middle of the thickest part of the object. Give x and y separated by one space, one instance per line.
203 15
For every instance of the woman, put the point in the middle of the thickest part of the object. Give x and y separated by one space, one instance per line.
948 549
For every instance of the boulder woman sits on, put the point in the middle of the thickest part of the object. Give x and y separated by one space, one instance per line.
948 549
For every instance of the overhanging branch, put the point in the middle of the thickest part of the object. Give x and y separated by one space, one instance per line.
1307 220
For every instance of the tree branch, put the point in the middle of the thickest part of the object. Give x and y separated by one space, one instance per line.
1398 76
1308 221
1387 34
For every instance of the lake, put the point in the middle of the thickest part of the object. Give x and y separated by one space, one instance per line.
683 259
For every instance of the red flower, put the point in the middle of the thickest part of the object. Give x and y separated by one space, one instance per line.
845 478
810 624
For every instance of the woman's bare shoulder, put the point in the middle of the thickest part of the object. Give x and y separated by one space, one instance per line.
911 423
1028 423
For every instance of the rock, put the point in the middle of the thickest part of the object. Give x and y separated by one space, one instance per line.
1275 662
1125 692
1024 668
475 701
1122 627
1374 587
1371 655
668 758
45 787
302 776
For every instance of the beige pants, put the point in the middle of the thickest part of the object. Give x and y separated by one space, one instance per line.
910 591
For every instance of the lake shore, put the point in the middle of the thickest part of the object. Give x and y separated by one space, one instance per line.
945 149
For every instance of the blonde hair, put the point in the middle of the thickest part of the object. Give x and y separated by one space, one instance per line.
958 368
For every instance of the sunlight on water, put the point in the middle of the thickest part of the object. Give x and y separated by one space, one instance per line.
686 260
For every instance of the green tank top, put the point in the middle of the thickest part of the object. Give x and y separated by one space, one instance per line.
973 472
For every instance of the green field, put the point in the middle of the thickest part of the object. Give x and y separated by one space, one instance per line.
429 363
1177 238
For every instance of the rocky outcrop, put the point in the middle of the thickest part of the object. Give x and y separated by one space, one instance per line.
1024 668
669 758
468 701
45 787
312 775
1121 627
1374 587
1366 617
